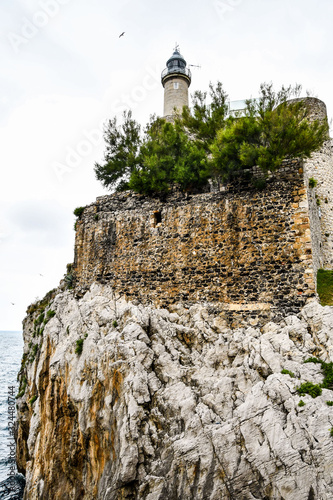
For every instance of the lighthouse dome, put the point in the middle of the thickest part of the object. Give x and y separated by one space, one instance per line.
176 64
176 61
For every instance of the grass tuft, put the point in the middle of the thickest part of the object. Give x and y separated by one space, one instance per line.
325 287
79 346
313 390
287 372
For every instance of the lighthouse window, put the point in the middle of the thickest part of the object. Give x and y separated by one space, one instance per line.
176 85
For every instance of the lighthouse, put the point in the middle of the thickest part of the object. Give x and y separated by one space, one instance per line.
176 79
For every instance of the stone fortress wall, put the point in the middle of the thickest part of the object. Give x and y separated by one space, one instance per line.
320 168
248 255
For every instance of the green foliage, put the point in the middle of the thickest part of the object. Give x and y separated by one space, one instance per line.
79 346
50 314
328 375
122 152
312 360
318 202
40 305
23 362
206 143
301 403
329 403
70 276
309 388
33 353
205 120
327 369
325 287
271 130
287 372
78 211
312 182
233 150
39 320
259 183
42 319
331 431
22 388
69 280
32 400
115 324
168 156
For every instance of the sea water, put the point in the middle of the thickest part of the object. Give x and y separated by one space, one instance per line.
11 350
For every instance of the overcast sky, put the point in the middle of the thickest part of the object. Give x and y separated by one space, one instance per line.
65 71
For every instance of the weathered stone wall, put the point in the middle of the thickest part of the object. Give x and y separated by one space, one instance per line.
245 253
316 109
320 168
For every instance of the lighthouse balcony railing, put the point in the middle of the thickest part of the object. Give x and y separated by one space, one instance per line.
175 69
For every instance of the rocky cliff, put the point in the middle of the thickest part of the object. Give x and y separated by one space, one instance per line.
120 400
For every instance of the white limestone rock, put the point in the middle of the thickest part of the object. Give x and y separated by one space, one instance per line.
175 405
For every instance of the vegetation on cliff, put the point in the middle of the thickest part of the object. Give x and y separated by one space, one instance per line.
325 287
207 142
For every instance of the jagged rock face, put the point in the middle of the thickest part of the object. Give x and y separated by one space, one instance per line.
174 405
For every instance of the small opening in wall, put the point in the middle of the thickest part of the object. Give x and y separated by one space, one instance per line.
157 217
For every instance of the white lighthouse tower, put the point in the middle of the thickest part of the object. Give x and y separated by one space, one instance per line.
176 79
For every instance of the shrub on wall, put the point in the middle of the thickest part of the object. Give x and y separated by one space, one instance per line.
79 346
207 143
78 211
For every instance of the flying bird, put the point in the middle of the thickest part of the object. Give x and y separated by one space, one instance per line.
12 303
41 274
122 34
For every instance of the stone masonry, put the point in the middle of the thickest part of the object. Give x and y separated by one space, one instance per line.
175 95
245 254
320 168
